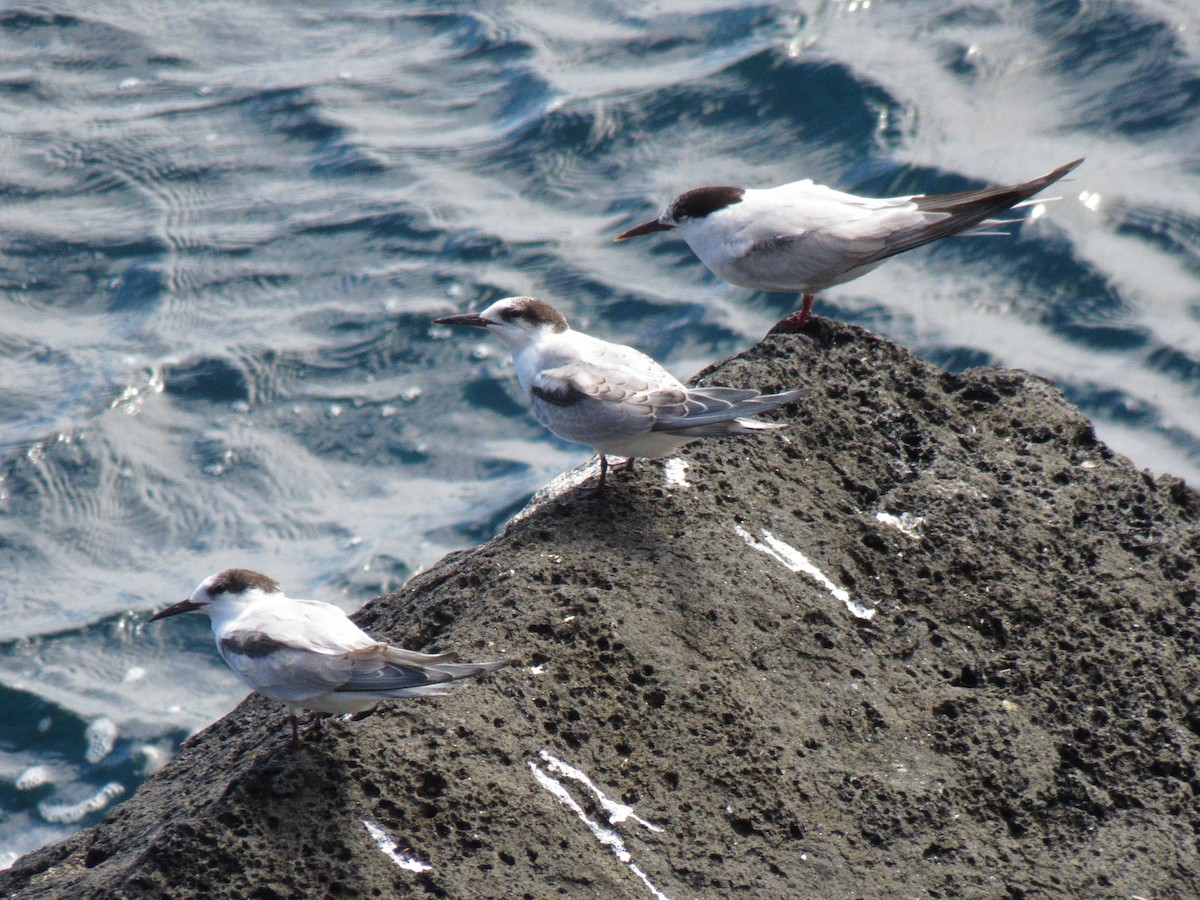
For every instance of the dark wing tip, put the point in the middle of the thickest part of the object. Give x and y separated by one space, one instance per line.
1063 170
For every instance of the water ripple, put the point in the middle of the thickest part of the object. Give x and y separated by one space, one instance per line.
224 243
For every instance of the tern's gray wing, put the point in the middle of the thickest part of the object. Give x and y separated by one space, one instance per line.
954 213
804 236
292 673
711 405
809 261
588 404
586 401
410 680
284 671
809 237
716 407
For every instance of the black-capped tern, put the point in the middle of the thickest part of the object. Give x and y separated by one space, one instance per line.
804 237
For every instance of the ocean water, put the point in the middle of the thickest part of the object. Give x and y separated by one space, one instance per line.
225 229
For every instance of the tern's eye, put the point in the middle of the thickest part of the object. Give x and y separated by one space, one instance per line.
216 590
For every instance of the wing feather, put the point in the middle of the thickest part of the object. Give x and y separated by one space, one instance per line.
717 406
606 399
291 673
294 674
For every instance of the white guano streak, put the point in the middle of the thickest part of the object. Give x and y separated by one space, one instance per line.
795 561
388 846
905 523
617 812
675 473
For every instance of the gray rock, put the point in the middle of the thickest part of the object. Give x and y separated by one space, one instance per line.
1016 717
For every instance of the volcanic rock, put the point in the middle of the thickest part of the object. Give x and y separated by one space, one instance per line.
933 639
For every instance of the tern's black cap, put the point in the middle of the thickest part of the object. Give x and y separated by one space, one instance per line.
700 202
238 581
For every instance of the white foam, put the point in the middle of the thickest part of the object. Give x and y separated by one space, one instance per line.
797 562
68 813
34 777
905 523
617 813
101 736
389 848
675 473
153 758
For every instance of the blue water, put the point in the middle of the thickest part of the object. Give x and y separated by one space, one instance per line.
224 230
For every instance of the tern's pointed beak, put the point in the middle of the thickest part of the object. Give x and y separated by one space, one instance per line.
648 228
181 607
468 319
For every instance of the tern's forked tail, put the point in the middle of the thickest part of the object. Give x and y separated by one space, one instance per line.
967 212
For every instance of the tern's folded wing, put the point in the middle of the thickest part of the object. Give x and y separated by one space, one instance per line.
718 406
401 680
303 624
293 672
390 679
825 247
902 223
283 670
713 405
584 401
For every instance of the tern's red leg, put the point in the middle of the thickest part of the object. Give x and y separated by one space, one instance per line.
794 322
626 466
598 490
314 724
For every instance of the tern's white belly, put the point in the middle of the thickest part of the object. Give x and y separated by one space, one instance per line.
652 445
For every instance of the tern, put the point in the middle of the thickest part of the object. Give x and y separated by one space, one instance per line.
804 237
308 654
610 397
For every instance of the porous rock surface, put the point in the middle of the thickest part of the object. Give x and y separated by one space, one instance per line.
992 694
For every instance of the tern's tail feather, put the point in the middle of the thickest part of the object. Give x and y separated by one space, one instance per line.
455 671
398 656
965 211
411 678
442 678
732 426
726 409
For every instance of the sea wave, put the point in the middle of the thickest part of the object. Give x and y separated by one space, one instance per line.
225 239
